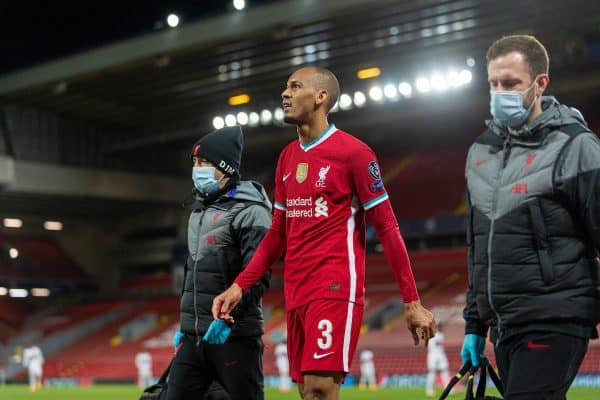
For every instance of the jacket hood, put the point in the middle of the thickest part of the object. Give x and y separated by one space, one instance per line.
250 191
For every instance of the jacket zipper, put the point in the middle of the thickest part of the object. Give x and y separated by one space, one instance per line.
196 319
506 156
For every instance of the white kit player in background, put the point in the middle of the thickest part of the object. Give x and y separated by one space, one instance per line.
283 366
367 370
143 363
33 360
436 362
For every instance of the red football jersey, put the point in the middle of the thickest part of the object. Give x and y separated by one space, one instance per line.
324 189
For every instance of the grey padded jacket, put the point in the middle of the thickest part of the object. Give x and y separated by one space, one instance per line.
223 234
534 226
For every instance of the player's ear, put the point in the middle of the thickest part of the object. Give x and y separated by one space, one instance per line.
322 96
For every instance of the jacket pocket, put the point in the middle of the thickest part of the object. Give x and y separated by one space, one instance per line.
541 241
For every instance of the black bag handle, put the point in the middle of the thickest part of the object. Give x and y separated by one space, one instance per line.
482 379
485 368
455 379
163 378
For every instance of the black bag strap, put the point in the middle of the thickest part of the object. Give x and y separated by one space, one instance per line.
455 379
482 379
470 379
496 379
485 368
163 378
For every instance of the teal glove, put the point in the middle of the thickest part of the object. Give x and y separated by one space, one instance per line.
218 332
472 349
177 339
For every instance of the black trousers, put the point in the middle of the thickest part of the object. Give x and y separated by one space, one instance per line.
539 365
235 365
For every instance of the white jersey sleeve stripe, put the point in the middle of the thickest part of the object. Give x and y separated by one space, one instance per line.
279 206
351 227
377 200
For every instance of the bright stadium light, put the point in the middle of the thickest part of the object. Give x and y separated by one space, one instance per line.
471 62
390 91
17 292
173 20
423 85
405 89
3 291
13 222
218 122
265 117
278 114
335 108
438 82
375 93
13 253
253 119
359 99
368 73
345 101
239 4
40 292
53 225
230 120
466 76
454 79
242 118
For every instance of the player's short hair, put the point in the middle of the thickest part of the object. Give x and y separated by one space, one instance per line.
325 79
534 52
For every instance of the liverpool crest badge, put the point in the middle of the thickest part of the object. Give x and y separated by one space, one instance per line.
301 172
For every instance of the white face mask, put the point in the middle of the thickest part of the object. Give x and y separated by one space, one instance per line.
507 107
204 180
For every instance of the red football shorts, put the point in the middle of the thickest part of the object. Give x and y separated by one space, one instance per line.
322 336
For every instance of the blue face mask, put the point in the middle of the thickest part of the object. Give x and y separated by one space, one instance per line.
204 180
507 107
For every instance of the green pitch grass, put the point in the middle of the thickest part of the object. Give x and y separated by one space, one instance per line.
126 392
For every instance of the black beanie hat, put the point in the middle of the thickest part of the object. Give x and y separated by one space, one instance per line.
223 148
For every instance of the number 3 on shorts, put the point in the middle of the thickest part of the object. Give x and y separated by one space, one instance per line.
325 327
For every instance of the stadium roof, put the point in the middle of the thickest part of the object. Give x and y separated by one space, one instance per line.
155 86
158 91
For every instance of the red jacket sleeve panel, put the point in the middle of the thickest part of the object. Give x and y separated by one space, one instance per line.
268 251
384 221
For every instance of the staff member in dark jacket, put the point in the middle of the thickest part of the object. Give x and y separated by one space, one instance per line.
228 220
533 181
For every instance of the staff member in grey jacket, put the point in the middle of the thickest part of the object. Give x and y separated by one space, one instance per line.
533 180
229 218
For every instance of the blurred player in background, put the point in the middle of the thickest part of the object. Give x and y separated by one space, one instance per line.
283 366
143 363
33 360
367 370
437 362
325 184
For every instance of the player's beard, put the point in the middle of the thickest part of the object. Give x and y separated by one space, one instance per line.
295 120
291 120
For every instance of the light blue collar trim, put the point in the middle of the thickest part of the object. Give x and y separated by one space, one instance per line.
319 139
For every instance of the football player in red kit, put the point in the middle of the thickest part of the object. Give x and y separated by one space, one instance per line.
325 184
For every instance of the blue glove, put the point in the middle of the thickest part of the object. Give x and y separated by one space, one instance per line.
218 332
472 349
177 339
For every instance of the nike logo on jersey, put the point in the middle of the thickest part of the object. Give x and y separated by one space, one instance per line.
286 176
317 356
